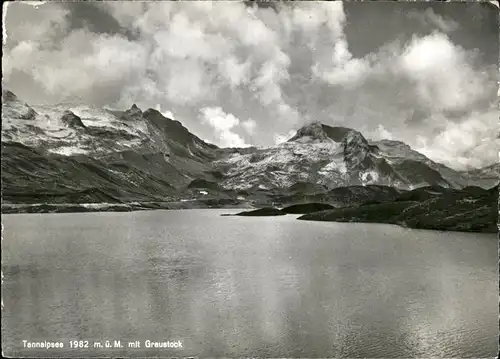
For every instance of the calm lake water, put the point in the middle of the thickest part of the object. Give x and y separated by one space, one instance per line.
243 286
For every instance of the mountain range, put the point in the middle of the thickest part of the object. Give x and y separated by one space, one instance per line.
60 155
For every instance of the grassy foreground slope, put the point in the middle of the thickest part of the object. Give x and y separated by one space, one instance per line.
472 209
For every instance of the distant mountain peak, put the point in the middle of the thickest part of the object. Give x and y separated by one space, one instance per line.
174 131
107 155
134 111
9 96
14 108
319 131
313 130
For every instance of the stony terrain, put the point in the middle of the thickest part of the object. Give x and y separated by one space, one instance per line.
333 157
80 158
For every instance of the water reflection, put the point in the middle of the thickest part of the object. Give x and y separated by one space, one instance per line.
249 286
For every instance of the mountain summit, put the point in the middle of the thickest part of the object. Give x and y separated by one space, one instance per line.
319 131
118 156
333 157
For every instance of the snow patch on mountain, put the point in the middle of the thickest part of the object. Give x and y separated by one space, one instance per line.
70 130
337 166
285 164
317 156
97 117
68 151
369 177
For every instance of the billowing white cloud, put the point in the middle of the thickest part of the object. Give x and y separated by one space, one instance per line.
223 124
281 68
473 142
344 70
439 73
283 137
249 126
165 113
85 64
380 133
235 72
335 63
443 78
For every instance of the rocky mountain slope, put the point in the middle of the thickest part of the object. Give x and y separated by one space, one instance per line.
83 154
485 176
79 154
332 157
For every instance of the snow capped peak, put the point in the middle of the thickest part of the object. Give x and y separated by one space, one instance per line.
134 109
14 109
134 112
317 155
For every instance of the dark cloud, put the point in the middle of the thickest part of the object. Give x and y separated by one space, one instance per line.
91 16
23 22
370 25
417 116
263 4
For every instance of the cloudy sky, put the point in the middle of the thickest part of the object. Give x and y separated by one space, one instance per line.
237 74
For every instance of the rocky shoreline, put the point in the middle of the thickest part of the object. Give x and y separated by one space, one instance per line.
472 209
468 210
118 207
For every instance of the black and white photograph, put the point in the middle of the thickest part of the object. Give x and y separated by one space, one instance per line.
245 179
